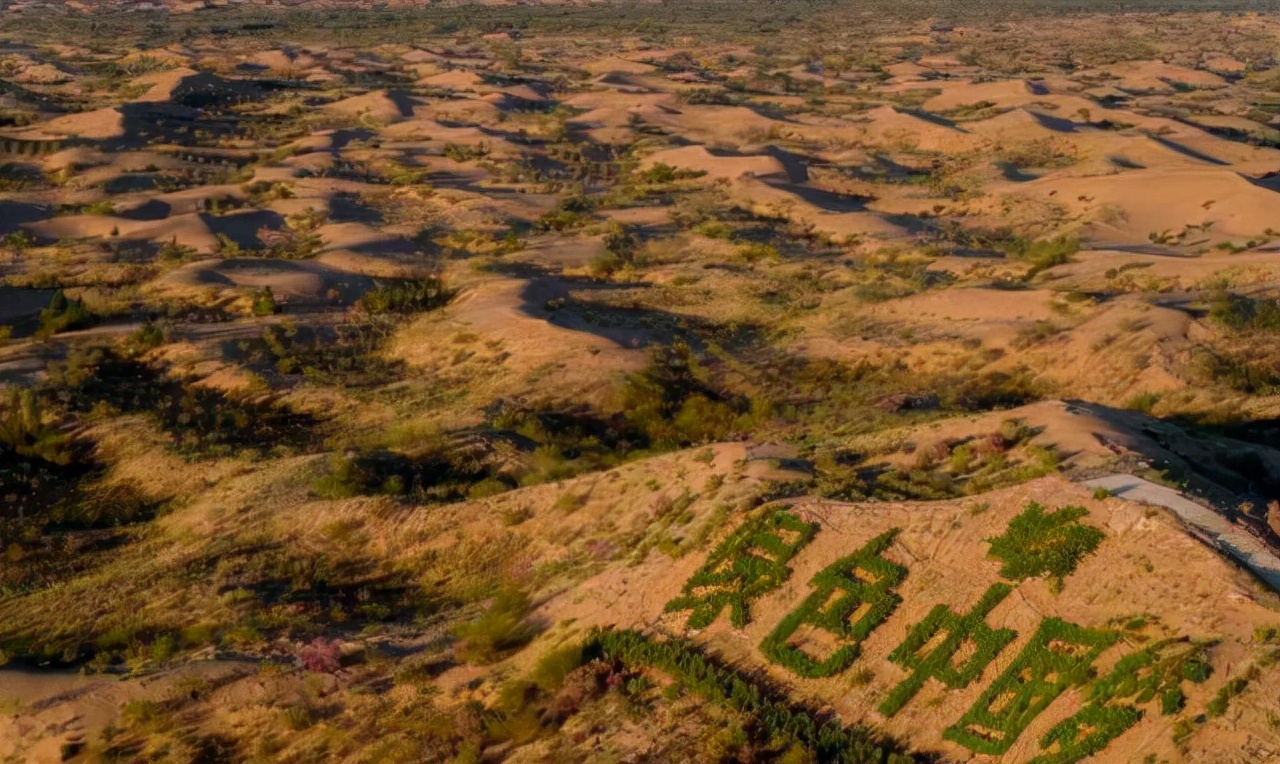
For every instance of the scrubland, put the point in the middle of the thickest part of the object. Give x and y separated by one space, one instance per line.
635 382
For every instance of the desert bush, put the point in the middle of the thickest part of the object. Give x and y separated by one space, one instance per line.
149 335
24 431
407 296
1143 402
1243 369
62 315
501 630
659 174
671 402
432 476
1036 333
1244 314
321 656
1043 254
347 356
462 153
1221 701
264 302
203 421
551 669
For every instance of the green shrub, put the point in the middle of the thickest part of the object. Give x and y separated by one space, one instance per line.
1043 254
172 251
1221 701
409 296
780 725
1143 402
63 315
550 672
1245 314
149 335
1059 655
673 405
264 302
659 174
499 631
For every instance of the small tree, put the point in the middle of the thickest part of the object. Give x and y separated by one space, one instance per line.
264 302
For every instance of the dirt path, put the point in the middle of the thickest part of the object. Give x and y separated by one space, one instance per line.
1237 543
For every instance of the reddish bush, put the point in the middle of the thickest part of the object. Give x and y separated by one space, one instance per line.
321 656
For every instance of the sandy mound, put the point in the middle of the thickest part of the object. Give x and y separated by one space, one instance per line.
99 124
40 74
699 159
290 281
78 226
1158 77
977 305
619 65
1021 125
283 60
1153 201
1005 93
841 217
384 106
161 85
457 80
889 127
1225 65
512 313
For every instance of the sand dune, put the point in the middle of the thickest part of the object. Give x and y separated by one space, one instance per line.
98 124
889 127
459 80
620 65
699 159
1154 200
385 107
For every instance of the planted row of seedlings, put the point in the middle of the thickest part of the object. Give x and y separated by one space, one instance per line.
828 741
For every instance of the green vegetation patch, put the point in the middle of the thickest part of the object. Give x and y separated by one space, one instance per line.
746 566
203 421
851 598
63 315
1050 544
1059 655
958 631
1156 672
